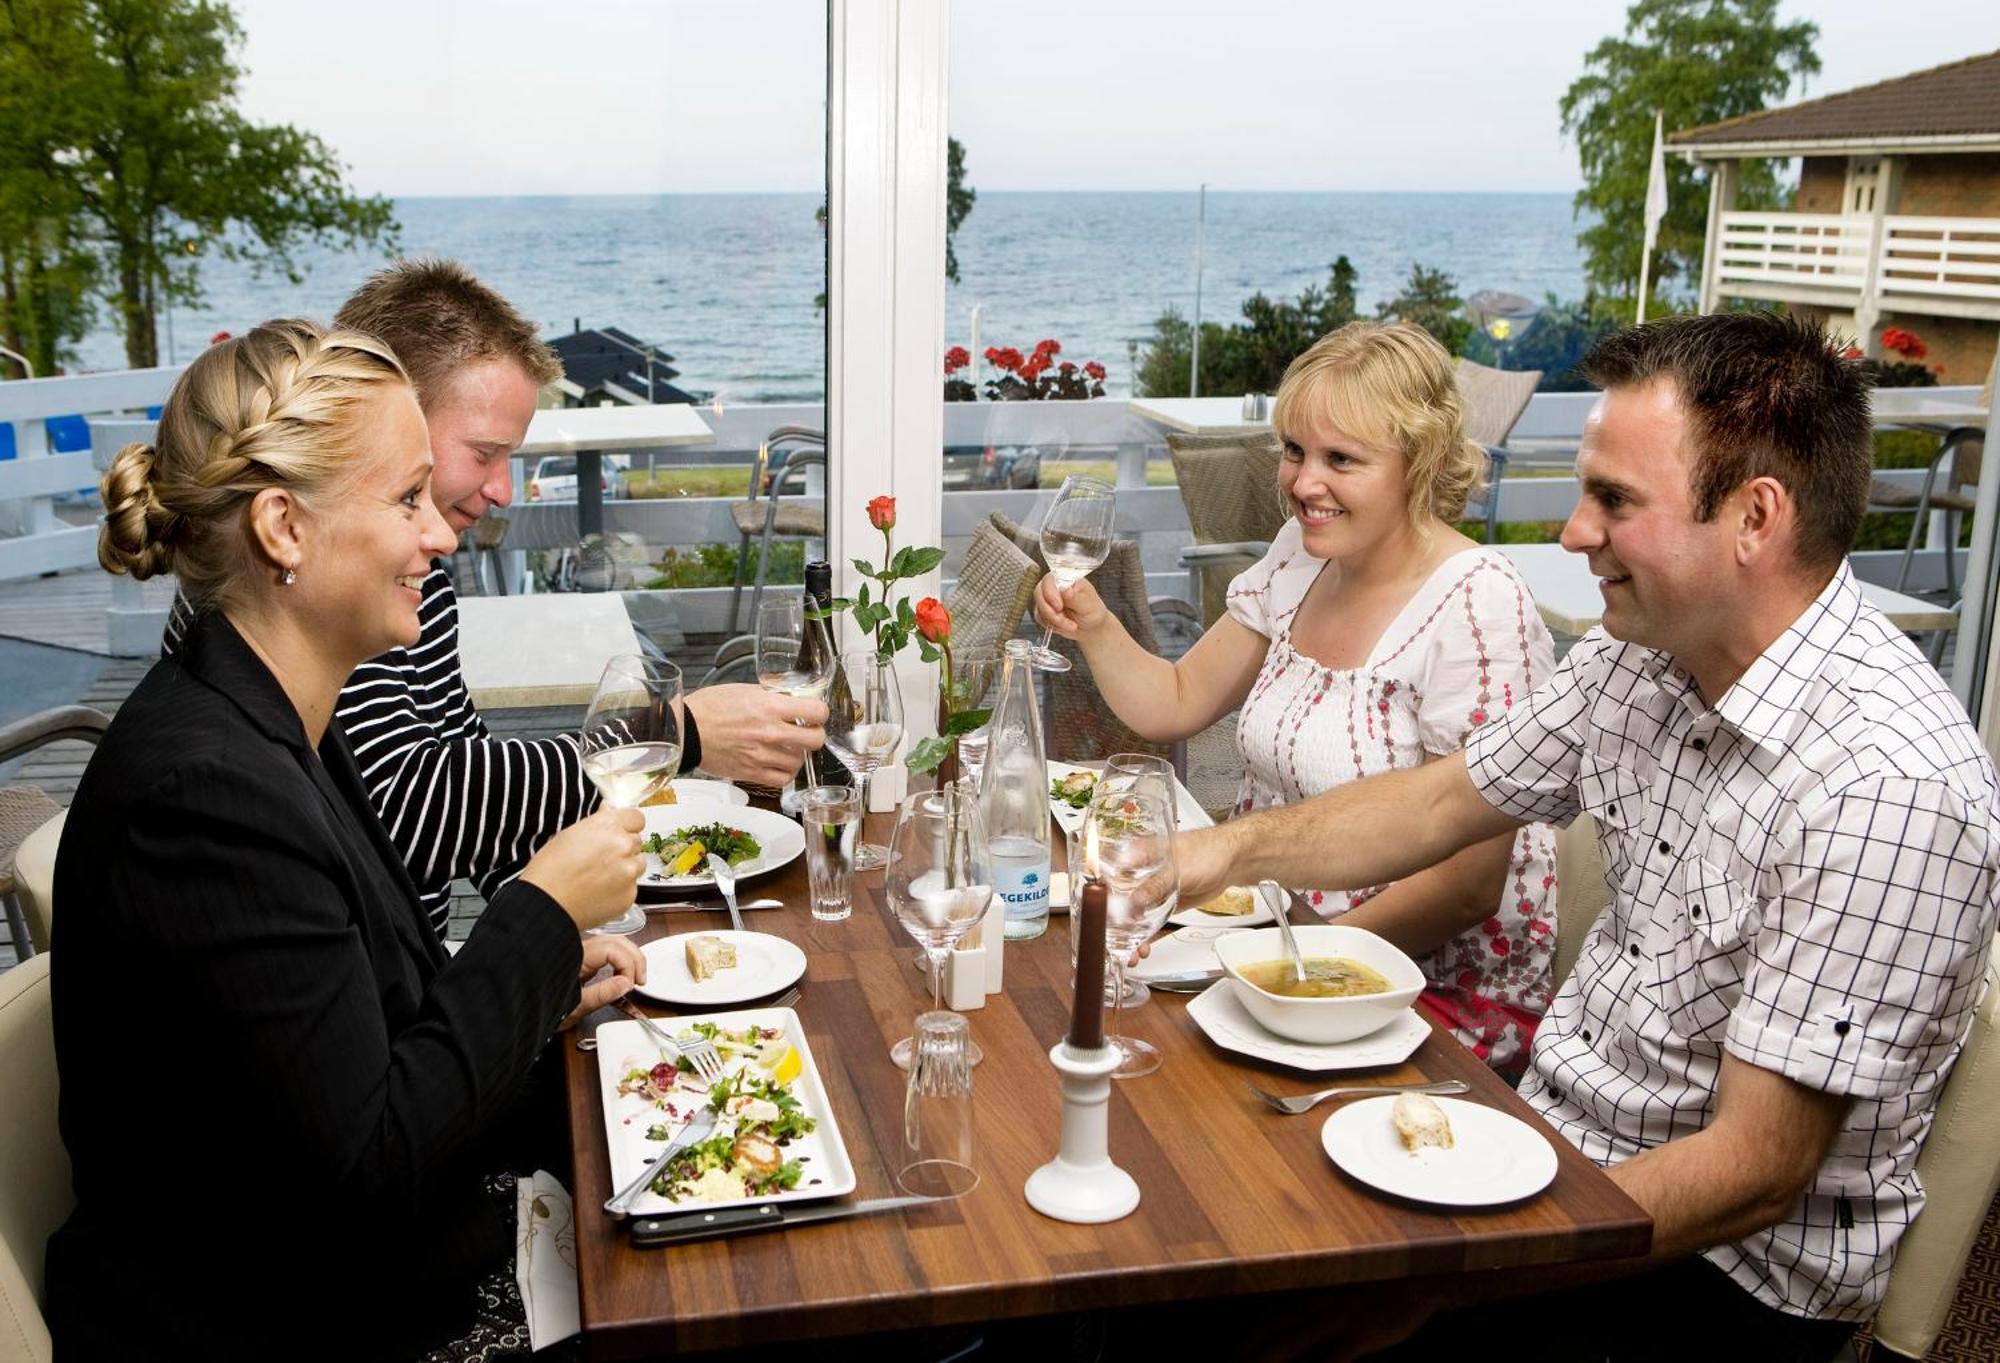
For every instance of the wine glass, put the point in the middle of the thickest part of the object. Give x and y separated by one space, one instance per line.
1129 771
1076 537
940 882
1128 838
631 743
864 723
975 681
794 658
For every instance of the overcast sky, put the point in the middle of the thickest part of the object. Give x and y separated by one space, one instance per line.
649 96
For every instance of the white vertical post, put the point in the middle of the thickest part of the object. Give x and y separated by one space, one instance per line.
886 106
1972 671
1868 313
1721 200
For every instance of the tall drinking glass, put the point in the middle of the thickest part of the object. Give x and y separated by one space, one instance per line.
794 658
631 743
1076 539
864 723
1128 840
940 881
832 819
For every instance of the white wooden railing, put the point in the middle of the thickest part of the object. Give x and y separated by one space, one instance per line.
1940 266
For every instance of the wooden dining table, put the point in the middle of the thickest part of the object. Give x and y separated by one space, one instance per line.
1236 1198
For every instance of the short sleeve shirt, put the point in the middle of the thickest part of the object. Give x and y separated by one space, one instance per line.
1803 876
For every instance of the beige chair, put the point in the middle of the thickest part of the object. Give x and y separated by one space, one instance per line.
35 878
1229 485
1960 1169
1492 401
994 586
24 808
1582 893
35 1191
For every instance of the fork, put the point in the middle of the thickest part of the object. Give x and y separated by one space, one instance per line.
1305 1102
697 1050
725 881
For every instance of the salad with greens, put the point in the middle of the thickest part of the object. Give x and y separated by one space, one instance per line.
685 851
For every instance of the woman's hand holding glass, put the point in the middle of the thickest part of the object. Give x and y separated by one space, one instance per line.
1073 611
592 867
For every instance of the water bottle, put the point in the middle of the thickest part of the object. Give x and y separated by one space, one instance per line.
1014 799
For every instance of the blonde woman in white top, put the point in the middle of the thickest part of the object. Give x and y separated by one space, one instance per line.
1372 636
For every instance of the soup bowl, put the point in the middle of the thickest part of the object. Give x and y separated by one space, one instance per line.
1324 1020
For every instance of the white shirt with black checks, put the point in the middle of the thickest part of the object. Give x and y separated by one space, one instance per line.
1803 876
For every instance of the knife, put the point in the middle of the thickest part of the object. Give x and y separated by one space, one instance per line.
1191 980
650 1232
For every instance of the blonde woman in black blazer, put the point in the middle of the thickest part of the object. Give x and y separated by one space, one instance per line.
280 1096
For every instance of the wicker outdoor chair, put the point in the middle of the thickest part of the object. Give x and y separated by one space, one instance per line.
1077 726
994 587
1229 485
1492 400
25 808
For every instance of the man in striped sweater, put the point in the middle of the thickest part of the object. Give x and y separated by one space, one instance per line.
458 802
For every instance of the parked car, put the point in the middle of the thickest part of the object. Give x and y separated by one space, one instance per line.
992 466
554 479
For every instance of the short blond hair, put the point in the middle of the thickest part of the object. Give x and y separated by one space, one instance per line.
275 407
1388 384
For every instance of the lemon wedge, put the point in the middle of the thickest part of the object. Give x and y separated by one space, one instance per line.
688 859
784 1066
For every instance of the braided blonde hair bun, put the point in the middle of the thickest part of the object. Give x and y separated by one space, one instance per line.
277 407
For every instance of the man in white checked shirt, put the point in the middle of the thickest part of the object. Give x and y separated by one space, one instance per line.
1799 827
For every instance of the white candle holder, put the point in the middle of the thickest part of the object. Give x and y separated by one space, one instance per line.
1081 1184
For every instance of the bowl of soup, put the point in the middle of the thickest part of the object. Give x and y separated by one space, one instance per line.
1356 982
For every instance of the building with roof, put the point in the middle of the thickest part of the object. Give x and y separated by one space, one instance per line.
1897 217
603 366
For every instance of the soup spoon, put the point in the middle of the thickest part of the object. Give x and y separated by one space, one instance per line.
1285 927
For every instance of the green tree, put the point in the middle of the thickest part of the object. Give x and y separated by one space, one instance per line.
138 130
1699 61
1249 356
1430 300
958 200
1557 339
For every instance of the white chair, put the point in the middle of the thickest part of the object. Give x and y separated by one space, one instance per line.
35 1191
1581 890
35 878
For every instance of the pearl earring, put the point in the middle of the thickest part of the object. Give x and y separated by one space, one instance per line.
291 576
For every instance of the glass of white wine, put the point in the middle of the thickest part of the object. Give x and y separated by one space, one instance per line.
631 742
864 723
1076 539
794 658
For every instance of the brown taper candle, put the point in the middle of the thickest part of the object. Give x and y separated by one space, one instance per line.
1086 1024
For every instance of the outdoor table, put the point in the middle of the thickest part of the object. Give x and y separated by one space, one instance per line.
1236 1199
1566 593
523 652
589 431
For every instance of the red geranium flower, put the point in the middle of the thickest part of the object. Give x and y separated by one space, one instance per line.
956 359
1094 370
882 513
933 620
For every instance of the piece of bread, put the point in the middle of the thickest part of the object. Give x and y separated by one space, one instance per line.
1235 902
1420 1122
706 955
664 796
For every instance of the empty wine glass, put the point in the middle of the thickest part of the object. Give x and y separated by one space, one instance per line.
631 743
1128 838
864 723
1139 771
794 658
1076 538
974 686
940 882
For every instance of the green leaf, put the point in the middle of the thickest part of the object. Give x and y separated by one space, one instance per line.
928 650
896 564
922 561
861 598
965 721
906 614
867 569
927 755
841 603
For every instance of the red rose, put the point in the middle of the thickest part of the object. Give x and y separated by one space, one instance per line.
1095 370
882 513
933 620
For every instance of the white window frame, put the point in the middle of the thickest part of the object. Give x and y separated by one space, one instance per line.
886 105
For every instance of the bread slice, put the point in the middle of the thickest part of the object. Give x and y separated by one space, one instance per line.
664 796
1420 1122
706 955
1235 902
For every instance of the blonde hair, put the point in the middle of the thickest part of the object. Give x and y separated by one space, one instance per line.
276 407
1388 384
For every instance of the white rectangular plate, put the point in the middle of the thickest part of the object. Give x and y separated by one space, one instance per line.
623 1045
1188 812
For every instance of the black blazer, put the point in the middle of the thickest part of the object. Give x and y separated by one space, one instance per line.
278 1092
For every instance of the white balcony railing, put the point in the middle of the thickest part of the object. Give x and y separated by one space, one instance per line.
1947 267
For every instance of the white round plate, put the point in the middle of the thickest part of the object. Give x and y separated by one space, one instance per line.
1197 918
781 841
1225 1021
692 790
764 965
1495 1158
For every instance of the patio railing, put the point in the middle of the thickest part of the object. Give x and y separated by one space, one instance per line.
1938 266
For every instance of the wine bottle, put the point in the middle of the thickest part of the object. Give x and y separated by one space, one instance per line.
819 598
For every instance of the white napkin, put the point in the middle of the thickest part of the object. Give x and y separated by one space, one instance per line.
545 1259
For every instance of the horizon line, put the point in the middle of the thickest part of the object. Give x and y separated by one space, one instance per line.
773 193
